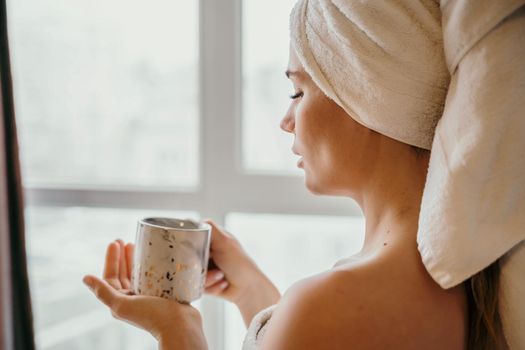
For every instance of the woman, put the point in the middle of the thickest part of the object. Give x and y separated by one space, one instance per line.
365 105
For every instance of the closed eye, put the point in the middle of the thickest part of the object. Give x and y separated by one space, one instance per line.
296 95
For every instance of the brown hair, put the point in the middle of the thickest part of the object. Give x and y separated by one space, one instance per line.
485 330
419 151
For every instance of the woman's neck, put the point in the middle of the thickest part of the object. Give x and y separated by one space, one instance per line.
391 201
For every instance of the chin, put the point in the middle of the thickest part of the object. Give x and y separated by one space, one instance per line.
325 186
313 186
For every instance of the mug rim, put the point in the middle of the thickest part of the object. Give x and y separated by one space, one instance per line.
203 226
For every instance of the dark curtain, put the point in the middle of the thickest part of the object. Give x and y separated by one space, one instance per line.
17 314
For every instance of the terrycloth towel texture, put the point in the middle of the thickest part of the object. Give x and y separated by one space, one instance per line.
382 61
257 329
473 206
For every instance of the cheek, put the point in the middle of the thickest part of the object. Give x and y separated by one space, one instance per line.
309 121
330 143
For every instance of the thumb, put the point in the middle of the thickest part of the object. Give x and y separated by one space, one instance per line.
218 234
103 291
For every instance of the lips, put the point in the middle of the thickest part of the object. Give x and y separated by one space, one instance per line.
300 160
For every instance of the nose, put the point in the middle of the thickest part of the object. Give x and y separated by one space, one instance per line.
288 123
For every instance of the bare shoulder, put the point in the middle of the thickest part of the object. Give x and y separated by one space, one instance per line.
362 308
323 312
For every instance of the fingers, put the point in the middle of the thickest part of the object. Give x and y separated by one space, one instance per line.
130 248
215 282
104 292
123 265
212 277
112 265
218 234
217 288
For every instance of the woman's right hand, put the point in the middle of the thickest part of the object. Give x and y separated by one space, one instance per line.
236 277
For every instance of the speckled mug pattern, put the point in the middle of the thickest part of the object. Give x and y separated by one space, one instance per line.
171 258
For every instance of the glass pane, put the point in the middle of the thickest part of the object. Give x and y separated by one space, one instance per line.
64 244
106 91
288 248
266 148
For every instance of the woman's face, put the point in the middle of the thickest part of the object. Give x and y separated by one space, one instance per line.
334 149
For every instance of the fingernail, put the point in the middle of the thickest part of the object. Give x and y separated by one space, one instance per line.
218 276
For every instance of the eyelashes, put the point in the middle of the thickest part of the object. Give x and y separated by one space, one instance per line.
296 95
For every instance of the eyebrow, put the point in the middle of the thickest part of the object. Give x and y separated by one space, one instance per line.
290 73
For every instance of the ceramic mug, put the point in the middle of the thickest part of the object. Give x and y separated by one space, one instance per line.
171 258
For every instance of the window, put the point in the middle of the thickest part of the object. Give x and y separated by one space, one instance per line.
159 108
265 92
115 82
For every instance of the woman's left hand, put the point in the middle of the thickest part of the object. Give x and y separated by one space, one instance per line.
174 325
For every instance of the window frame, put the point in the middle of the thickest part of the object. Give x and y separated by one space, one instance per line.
224 186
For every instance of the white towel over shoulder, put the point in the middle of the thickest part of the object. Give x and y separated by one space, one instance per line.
473 206
257 329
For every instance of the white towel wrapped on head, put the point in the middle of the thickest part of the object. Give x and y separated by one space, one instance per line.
382 61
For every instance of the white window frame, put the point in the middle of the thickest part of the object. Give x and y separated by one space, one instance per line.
225 187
